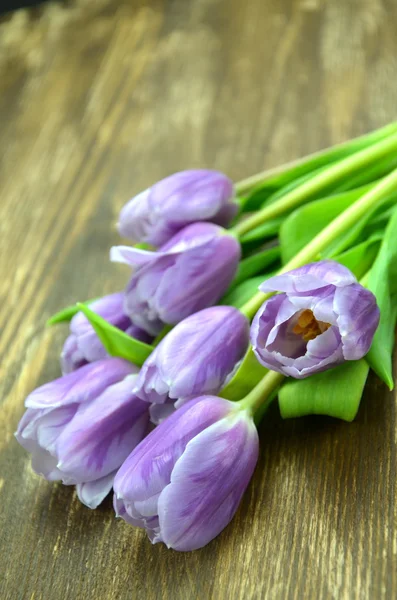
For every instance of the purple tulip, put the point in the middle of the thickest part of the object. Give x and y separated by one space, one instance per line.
189 273
322 318
195 358
184 482
157 214
81 427
83 345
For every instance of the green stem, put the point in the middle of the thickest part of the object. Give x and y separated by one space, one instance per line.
262 392
334 173
318 158
338 226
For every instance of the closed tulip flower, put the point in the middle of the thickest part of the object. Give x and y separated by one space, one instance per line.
184 482
322 318
195 358
191 272
83 345
81 427
157 214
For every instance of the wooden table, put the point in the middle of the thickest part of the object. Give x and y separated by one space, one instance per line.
98 99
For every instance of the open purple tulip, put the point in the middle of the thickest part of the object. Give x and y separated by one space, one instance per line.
158 213
189 273
81 427
322 318
184 482
195 358
83 345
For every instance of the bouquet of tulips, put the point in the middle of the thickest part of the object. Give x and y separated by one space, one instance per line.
282 286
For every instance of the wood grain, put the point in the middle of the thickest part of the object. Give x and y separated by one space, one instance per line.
98 99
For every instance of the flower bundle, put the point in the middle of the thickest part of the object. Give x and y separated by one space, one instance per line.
280 286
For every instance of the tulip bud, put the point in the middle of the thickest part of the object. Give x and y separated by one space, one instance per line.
195 358
81 427
322 318
83 345
184 482
191 272
157 214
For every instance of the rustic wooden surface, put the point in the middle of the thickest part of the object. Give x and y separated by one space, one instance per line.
98 99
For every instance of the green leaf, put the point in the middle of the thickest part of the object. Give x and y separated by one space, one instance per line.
257 197
335 393
115 341
356 233
304 223
360 258
382 281
67 313
238 296
371 173
307 167
292 185
265 231
254 264
248 374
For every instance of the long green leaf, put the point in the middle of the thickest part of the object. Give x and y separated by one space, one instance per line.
371 173
115 341
360 258
306 167
254 264
261 234
66 314
238 296
248 374
382 281
302 225
357 232
336 393
267 194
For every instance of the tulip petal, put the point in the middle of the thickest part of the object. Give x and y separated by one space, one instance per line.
91 494
341 327
71 357
358 319
313 276
123 510
80 386
43 463
84 345
158 213
207 484
148 468
195 358
159 412
189 273
102 433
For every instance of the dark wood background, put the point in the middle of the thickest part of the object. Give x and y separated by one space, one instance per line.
98 99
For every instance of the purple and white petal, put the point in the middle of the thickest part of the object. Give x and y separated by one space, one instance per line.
189 273
93 493
148 468
207 483
322 318
158 213
82 385
313 276
358 319
102 433
196 357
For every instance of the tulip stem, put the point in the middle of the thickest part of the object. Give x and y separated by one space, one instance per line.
317 183
338 226
262 394
319 158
